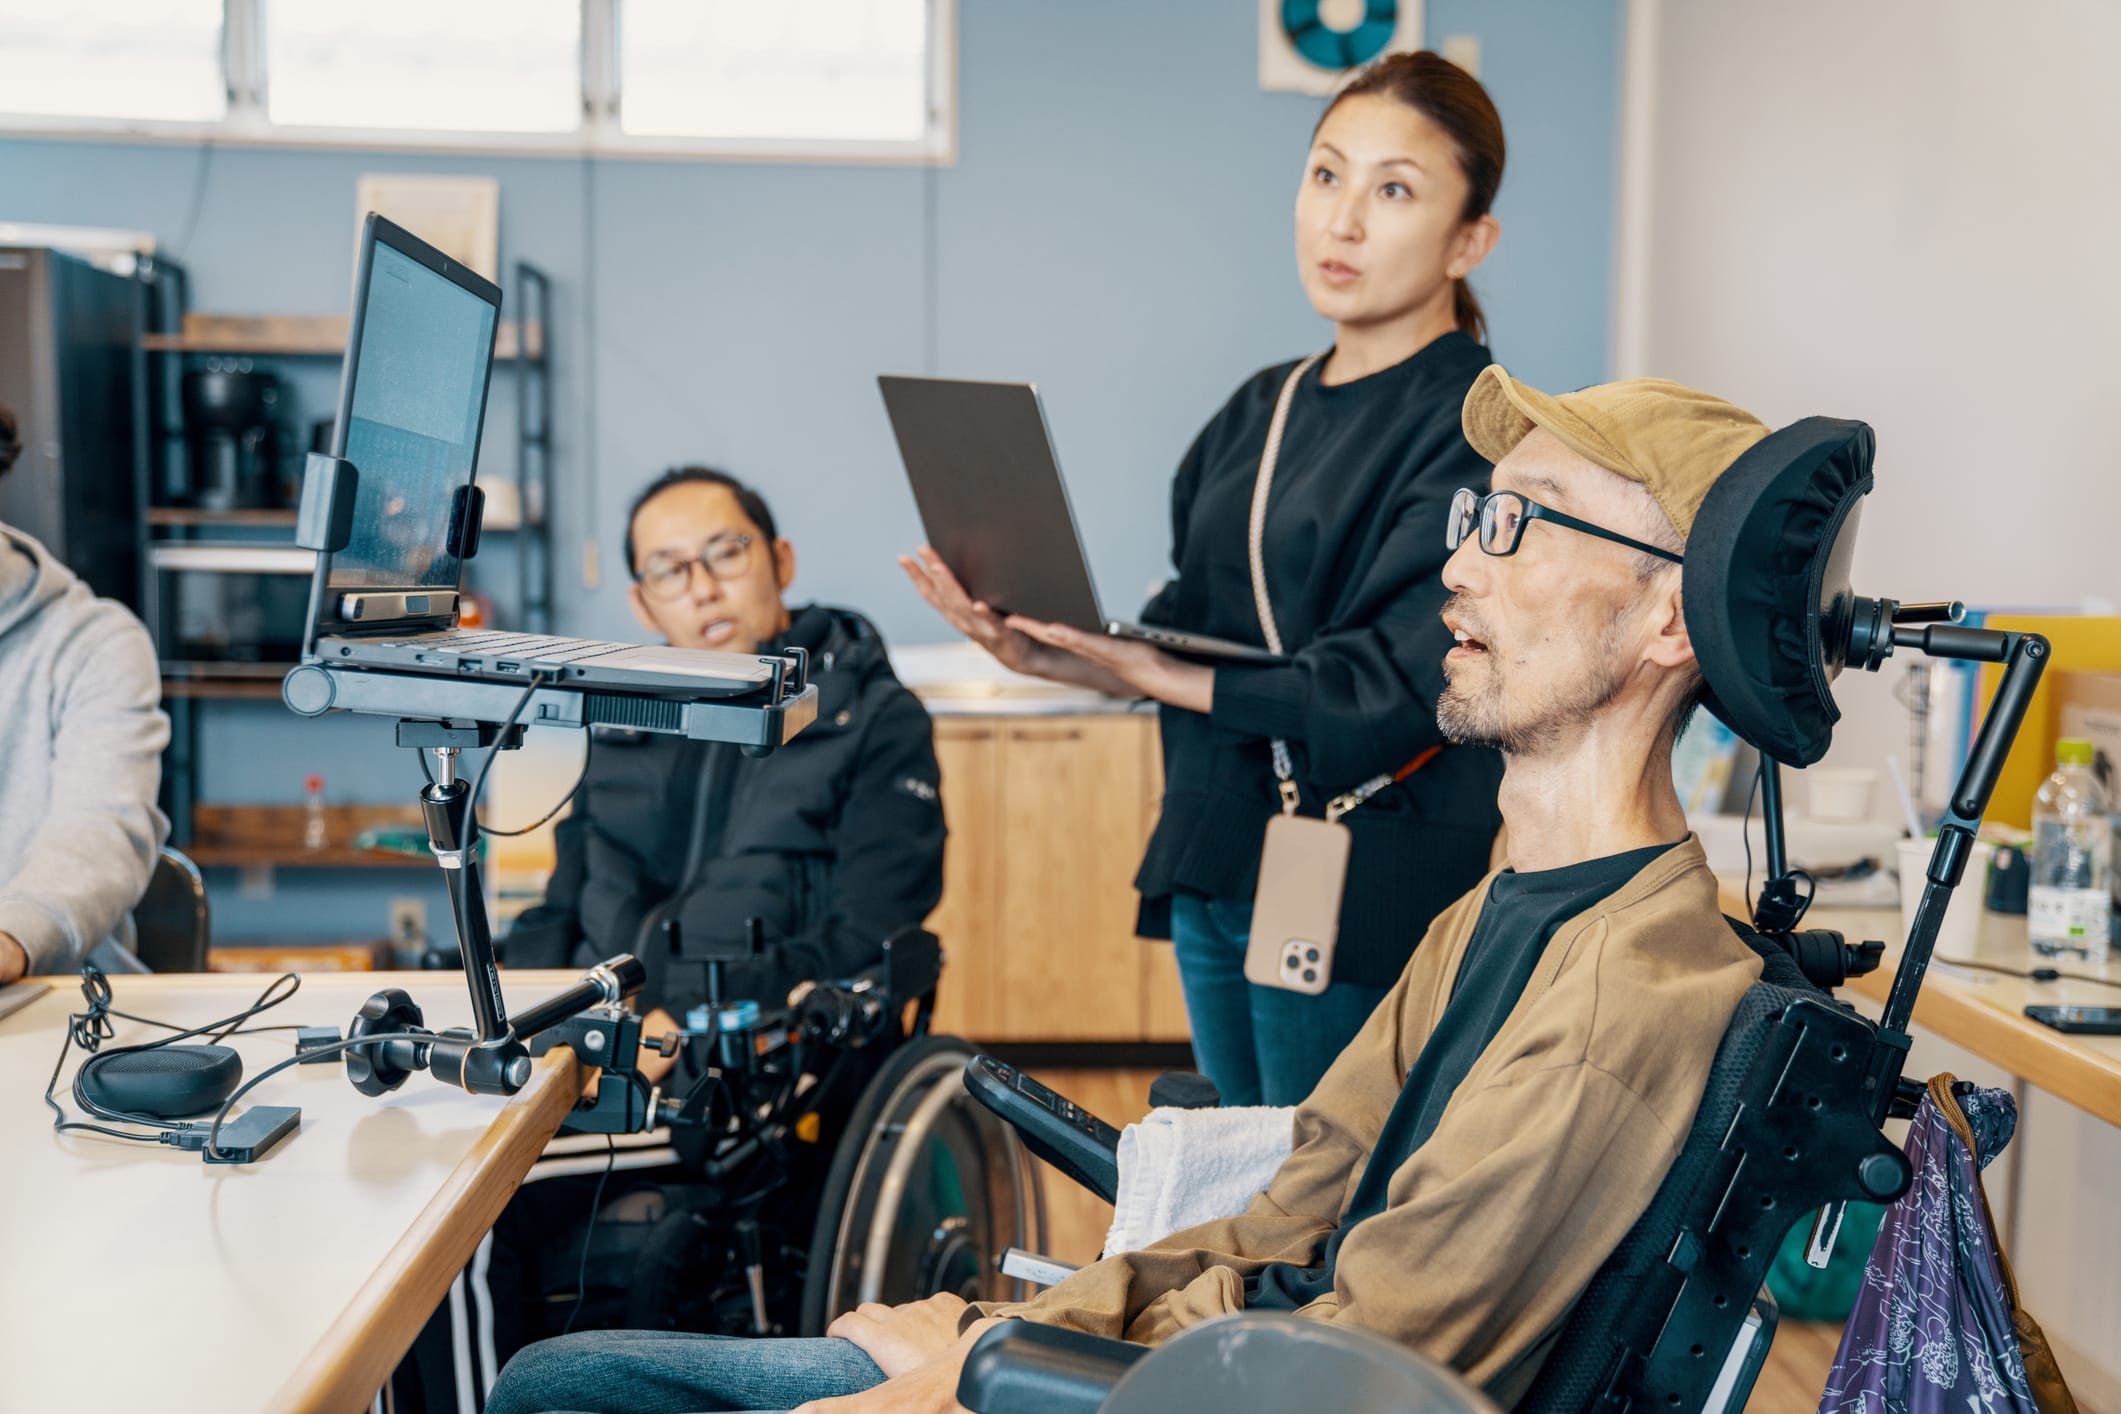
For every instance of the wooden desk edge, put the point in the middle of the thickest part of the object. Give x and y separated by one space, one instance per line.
379 1324
2038 1054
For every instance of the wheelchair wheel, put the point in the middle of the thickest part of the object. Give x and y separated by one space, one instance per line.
926 1188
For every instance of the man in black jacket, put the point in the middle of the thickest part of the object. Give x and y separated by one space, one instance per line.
833 842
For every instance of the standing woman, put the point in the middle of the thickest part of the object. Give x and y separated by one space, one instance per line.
1392 215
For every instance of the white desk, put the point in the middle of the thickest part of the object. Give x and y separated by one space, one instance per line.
138 1277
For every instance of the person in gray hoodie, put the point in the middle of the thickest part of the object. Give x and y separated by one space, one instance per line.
81 738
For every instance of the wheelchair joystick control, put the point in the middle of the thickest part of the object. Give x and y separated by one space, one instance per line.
1062 1133
1183 1090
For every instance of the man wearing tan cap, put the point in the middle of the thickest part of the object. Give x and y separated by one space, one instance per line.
1508 1111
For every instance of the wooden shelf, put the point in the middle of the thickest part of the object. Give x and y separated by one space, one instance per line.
188 515
256 681
303 336
299 957
227 689
245 836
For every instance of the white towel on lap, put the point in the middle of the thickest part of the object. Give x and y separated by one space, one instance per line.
1182 1167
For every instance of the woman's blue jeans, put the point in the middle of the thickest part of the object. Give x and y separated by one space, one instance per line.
1260 1045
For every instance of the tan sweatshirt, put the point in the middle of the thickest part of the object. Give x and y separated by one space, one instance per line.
1542 1161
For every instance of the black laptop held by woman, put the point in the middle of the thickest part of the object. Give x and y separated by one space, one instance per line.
995 508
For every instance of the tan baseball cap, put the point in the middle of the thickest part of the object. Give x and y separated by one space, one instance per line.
1673 439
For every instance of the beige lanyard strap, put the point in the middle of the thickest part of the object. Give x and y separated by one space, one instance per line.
1262 485
1284 769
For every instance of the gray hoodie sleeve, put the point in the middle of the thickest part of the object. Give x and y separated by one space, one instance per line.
89 858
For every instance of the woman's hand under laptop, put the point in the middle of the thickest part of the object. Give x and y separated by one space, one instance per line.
1059 652
1142 669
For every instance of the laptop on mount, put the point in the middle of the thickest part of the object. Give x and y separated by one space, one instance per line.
412 401
994 506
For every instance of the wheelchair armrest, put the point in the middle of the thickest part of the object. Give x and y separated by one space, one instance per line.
1023 1368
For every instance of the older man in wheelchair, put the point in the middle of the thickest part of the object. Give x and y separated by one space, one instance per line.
1554 1163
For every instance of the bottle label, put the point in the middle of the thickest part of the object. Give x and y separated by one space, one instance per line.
2076 914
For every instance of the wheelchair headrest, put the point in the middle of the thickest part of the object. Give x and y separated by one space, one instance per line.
1766 583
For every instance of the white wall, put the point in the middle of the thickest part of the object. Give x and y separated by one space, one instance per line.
1906 211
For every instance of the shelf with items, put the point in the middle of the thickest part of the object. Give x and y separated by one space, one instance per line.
280 518
304 958
192 517
225 592
253 681
308 336
271 836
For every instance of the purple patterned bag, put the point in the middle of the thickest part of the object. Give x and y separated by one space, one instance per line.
1933 1326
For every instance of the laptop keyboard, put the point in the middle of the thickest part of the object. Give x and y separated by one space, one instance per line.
545 648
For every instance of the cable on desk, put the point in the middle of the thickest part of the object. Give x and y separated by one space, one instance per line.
213 1131
89 1028
2036 974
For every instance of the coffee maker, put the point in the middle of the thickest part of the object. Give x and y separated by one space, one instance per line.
231 427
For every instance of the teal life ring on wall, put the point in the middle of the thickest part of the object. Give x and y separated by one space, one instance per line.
1331 48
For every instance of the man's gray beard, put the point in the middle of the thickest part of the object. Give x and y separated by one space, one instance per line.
1471 720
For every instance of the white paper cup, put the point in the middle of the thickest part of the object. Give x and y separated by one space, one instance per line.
1839 792
1962 919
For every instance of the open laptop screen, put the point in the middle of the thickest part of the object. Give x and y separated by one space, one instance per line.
409 418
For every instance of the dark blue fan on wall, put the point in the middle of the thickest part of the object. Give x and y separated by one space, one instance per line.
1329 41
1310 46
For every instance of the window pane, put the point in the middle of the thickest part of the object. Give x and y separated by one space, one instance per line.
835 69
455 65
113 59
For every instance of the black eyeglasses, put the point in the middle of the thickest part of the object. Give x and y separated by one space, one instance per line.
1503 515
667 576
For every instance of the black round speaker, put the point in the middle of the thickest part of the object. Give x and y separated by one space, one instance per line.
168 1082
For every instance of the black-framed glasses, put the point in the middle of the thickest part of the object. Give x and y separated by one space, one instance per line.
1502 516
666 576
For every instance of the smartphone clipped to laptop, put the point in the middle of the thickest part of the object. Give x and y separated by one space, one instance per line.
989 488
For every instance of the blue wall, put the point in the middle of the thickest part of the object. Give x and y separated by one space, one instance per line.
1116 228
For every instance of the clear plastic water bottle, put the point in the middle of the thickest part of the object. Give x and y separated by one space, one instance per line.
2070 906
314 833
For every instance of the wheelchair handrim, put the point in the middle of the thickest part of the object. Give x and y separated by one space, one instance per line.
997 1144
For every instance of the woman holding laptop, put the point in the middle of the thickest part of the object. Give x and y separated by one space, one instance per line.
1308 517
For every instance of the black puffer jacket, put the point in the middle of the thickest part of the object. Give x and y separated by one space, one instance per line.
834 841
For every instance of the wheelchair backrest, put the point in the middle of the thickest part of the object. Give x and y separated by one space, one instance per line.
1784 1127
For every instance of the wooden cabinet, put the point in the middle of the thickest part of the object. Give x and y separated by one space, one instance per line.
1048 817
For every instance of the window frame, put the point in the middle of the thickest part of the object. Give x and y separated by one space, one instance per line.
245 124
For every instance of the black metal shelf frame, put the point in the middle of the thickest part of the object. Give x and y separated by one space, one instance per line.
159 447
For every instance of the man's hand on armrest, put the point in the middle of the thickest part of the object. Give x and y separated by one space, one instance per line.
14 958
926 1388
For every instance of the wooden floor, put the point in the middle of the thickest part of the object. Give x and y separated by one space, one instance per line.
1077 1221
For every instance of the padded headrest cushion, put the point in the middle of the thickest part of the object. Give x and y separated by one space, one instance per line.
1767 568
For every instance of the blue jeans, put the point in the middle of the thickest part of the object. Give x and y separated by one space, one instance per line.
1260 1045
677 1372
